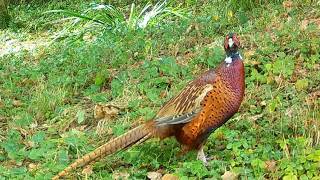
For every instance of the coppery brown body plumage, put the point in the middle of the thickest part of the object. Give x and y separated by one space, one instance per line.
202 106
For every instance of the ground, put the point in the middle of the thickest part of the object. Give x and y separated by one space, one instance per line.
68 86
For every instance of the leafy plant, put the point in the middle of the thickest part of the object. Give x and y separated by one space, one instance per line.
109 17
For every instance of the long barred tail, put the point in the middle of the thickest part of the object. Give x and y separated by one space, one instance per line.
134 136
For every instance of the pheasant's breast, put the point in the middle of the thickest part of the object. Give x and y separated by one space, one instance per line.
219 105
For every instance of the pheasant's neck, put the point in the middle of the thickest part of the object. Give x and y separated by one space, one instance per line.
231 56
233 74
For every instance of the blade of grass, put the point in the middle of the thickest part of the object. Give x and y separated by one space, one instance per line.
70 13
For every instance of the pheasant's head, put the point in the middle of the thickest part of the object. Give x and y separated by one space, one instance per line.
231 43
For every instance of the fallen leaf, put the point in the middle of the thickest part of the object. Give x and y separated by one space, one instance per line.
110 110
89 37
270 165
98 112
287 5
228 175
163 94
1 104
120 175
169 177
81 128
289 112
154 175
249 53
312 98
304 24
263 103
255 63
256 117
191 27
22 131
105 111
32 167
30 144
17 103
87 170
278 80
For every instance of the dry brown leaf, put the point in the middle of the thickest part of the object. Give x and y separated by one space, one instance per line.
263 103
287 5
289 112
278 80
154 175
87 170
30 144
105 111
89 37
81 128
249 53
32 167
19 163
16 103
317 22
163 94
304 24
22 131
255 63
111 111
1 104
228 175
312 98
98 112
189 29
120 175
270 165
170 177
256 117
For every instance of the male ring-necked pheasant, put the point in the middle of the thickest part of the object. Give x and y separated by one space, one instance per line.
202 106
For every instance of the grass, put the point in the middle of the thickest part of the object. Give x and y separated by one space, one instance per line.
49 96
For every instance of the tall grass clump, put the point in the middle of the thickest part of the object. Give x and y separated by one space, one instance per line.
100 17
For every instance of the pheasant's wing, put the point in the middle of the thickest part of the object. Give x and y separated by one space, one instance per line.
176 119
187 104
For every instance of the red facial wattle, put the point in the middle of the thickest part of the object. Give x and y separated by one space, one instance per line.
236 42
226 46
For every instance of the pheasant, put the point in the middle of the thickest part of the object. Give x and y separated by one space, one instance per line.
204 105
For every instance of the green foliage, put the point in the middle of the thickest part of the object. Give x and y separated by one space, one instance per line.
247 5
48 97
13 146
283 65
101 17
4 15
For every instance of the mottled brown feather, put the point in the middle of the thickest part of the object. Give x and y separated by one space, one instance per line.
190 98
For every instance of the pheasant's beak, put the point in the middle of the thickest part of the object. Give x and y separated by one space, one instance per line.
230 42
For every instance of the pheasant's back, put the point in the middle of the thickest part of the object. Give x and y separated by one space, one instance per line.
220 104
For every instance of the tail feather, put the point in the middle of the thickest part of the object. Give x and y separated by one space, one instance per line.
136 135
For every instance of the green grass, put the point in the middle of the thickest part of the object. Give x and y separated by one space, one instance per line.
48 96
